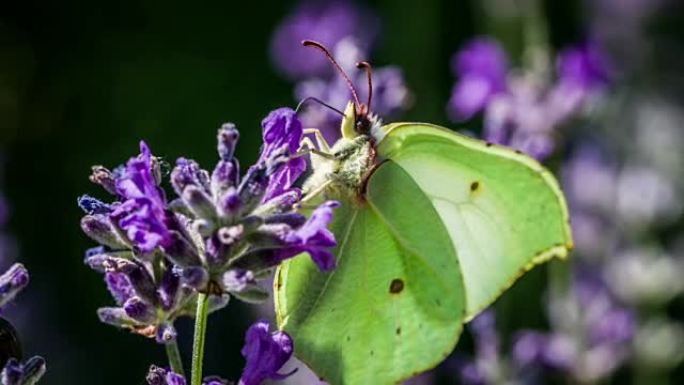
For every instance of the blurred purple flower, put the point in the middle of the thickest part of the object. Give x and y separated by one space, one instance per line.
521 110
265 353
590 332
584 66
327 22
481 67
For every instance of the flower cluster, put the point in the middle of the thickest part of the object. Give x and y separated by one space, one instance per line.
217 237
522 110
265 353
348 31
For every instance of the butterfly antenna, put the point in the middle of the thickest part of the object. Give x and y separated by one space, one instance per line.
315 44
369 74
319 101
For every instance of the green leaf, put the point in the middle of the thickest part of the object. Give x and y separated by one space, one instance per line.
393 307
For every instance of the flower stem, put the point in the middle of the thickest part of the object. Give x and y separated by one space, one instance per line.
174 357
198 342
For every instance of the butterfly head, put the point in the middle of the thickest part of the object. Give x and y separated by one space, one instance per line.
358 119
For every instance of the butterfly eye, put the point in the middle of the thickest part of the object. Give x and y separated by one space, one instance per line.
9 342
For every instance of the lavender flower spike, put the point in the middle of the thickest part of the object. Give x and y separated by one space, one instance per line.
266 353
28 373
329 22
12 282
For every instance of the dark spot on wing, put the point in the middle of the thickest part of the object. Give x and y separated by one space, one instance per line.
474 186
398 331
348 338
396 286
489 144
372 352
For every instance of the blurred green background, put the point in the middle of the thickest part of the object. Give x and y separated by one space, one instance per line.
82 82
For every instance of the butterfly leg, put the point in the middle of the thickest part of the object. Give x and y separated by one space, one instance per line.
320 139
307 147
313 194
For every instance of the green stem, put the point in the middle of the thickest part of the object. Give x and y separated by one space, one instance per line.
174 357
198 342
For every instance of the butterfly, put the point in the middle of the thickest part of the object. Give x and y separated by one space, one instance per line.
433 227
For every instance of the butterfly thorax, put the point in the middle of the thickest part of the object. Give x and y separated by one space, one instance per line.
343 176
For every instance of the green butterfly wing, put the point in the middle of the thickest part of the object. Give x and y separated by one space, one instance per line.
504 212
448 223
395 304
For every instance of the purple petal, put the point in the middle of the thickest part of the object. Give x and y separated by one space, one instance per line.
265 353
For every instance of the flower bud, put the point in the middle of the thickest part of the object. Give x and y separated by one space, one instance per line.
102 176
199 202
99 228
168 290
92 205
181 251
34 369
228 136
225 175
12 282
253 187
139 310
115 316
188 173
104 261
229 203
165 333
143 284
29 373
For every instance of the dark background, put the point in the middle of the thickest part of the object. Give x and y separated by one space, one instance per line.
81 82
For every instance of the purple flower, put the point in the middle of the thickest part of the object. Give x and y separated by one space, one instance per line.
584 66
282 129
325 21
313 237
27 373
265 353
481 67
143 213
